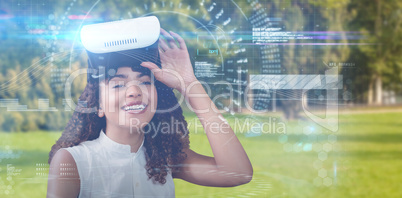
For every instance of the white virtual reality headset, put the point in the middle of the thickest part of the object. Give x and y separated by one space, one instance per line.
126 42
120 35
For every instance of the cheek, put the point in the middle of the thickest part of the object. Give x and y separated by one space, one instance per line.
109 99
154 97
102 99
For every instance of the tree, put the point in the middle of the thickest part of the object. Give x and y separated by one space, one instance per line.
381 22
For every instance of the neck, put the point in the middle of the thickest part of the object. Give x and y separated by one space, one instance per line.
123 135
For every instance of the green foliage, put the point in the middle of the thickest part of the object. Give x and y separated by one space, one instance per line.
336 17
12 121
381 23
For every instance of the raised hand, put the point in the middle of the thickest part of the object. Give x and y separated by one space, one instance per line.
229 155
177 71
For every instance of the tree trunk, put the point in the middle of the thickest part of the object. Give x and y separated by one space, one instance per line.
305 100
291 103
378 90
377 78
370 92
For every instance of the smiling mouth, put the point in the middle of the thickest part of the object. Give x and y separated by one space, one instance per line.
139 107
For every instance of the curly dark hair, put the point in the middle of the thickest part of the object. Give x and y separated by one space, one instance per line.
163 150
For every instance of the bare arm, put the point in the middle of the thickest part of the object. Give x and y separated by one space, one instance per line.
63 178
230 165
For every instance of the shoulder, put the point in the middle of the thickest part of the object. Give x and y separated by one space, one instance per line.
63 165
62 155
64 180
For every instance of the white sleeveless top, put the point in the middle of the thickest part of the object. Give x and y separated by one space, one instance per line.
109 169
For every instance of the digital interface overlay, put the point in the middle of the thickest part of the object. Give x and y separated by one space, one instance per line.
255 58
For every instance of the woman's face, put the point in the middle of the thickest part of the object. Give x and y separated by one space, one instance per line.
129 99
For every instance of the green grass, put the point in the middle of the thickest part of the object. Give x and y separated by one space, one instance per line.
367 158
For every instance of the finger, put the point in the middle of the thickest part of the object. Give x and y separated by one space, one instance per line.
151 66
162 56
169 38
158 73
163 45
160 50
179 39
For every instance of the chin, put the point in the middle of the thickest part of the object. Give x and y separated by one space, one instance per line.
137 122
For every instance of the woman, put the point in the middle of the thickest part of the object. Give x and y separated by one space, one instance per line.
142 121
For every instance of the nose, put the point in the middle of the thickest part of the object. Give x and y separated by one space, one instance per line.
133 92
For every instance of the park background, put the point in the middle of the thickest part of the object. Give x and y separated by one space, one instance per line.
359 156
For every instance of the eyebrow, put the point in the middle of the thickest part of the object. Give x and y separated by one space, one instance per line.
125 76
119 76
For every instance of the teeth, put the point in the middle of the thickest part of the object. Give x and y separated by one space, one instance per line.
135 107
